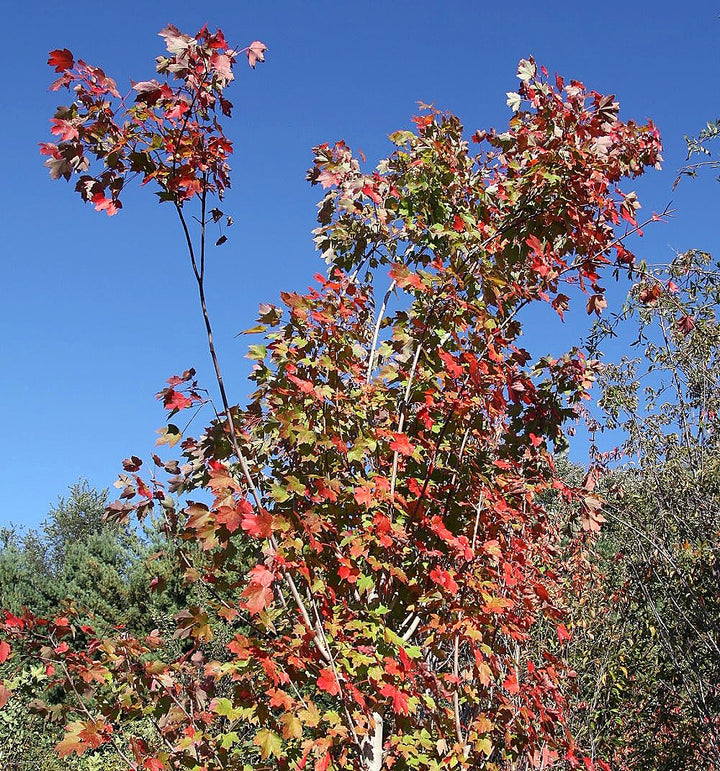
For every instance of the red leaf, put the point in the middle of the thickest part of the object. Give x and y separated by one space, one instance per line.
328 682
61 59
258 525
4 651
444 579
596 303
423 121
110 206
370 193
186 376
153 764
364 495
256 52
305 386
65 130
401 444
95 733
327 179
321 764
399 699
649 295
174 400
451 365
5 694
561 303
258 593
686 324
535 244
403 276
348 573
142 488
511 683
261 575
542 592
156 584
13 621
563 633
228 516
257 598
222 64
132 463
149 91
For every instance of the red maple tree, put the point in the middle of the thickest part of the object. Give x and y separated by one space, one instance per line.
389 469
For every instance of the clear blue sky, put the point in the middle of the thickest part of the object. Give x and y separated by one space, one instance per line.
97 312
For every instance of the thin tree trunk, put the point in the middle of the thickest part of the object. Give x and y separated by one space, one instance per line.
372 744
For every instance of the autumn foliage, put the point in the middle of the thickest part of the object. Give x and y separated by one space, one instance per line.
165 132
387 475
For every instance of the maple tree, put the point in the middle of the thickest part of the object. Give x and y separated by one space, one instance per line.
388 473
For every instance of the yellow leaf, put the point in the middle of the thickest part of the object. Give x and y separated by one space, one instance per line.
269 742
292 727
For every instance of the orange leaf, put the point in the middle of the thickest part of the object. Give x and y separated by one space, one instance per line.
72 741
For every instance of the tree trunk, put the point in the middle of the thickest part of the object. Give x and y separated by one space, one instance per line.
372 745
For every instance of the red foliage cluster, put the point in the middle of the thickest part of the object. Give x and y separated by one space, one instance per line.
168 133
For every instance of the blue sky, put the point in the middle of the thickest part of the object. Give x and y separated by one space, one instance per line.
98 312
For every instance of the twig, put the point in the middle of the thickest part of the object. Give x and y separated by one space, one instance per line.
381 313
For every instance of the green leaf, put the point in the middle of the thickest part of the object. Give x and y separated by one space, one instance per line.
224 708
392 638
365 583
229 740
295 485
279 492
401 137
356 453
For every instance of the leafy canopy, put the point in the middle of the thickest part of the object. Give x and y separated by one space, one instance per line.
389 467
